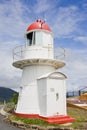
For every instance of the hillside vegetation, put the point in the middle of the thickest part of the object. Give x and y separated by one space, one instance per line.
6 94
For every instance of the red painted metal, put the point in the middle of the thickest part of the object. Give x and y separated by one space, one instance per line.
27 115
61 119
39 25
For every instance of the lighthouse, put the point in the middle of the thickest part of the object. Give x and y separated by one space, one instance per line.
42 89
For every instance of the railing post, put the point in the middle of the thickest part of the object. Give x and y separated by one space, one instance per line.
13 54
21 52
64 53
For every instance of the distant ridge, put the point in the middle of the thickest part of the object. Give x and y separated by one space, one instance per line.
6 94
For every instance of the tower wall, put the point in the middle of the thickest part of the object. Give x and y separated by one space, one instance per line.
39 94
31 73
28 95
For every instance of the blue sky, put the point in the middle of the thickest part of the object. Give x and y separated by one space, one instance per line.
68 22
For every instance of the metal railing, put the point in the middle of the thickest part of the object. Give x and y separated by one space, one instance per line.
59 53
17 52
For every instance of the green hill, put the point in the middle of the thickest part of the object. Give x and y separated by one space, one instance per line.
6 94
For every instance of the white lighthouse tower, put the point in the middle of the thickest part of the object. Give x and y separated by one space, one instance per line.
42 89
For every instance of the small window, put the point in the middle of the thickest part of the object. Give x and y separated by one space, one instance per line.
57 96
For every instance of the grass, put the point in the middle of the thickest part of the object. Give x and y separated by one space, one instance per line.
29 121
9 107
1 103
33 121
79 115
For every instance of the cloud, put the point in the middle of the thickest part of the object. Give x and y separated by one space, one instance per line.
44 6
41 6
66 21
12 20
85 6
9 76
82 39
76 69
12 28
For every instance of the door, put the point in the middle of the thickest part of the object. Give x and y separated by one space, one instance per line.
55 97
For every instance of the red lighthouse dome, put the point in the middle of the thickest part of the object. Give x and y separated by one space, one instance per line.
39 24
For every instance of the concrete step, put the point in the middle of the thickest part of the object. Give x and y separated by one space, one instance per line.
58 119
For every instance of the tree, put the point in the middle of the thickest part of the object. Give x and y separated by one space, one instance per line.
14 98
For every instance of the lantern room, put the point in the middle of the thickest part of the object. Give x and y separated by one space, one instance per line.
39 33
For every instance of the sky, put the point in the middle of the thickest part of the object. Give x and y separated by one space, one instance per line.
68 22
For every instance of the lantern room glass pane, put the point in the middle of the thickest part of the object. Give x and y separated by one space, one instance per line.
46 39
38 38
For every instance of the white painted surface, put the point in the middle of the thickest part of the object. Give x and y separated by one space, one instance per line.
56 97
44 62
28 97
31 73
28 100
41 46
42 96
42 38
30 52
52 95
39 94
